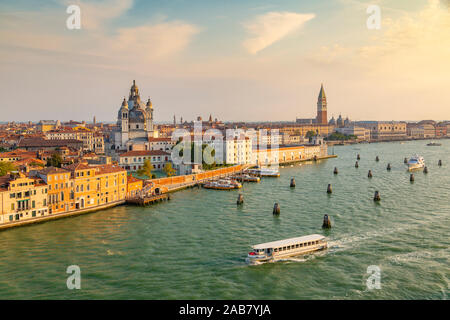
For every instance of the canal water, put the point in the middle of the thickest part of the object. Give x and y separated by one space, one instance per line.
194 246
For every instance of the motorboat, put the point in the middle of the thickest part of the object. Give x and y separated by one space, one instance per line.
416 162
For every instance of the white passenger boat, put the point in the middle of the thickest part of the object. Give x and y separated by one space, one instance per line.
264 172
416 162
282 249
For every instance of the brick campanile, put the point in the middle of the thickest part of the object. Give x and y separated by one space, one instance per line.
322 107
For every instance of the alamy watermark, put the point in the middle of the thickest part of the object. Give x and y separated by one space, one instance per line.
73 22
74 280
374 280
374 20
238 146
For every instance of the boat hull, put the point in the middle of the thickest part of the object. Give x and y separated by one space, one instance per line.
222 187
412 167
285 255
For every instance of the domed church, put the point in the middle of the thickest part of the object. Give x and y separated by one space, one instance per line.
134 123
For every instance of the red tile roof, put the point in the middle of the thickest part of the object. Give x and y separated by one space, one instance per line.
109 168
145 153
52 170
77 166
131 179
159 139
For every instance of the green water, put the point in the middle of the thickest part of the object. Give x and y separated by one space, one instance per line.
194 246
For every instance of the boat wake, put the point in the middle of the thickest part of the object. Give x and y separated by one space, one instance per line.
354 241
297 259
421 255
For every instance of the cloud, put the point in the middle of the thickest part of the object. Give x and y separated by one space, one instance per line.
328 54
99 37
154 41
271 27
413 45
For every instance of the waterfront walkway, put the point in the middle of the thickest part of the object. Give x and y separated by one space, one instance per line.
59 215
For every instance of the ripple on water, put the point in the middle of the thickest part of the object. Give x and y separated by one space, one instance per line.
194 246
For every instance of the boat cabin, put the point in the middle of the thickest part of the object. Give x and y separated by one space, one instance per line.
290 246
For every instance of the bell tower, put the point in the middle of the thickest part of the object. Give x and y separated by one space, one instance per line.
322 107
123 119
149 119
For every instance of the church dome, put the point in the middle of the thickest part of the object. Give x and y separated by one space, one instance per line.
123 108
124 104
149 104
332 121
137 115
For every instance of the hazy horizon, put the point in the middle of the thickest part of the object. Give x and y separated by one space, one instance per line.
251 60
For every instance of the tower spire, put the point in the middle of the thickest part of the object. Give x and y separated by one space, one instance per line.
322 107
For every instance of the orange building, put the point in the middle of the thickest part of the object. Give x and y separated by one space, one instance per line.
113 183
59 188
95 185
134 185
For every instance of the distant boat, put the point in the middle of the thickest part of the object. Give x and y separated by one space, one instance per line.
434 144
222 184
264 172
247 178
416 162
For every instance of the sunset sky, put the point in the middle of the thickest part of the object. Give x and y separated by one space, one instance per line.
251 60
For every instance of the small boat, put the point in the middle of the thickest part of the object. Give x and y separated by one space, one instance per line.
264 172
416 162
249 178
222 184
433 144
282 249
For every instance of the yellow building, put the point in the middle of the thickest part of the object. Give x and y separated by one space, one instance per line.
47 125
95 185
134 185
59 189
113 183
302 129
286 154
22 198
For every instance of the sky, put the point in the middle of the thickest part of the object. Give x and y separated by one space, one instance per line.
238 60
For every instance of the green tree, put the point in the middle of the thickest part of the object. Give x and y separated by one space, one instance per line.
310 133
55 160
146 169
169 170
36 164
340 136
6 167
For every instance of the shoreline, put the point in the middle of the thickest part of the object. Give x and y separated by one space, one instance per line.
344 143
61 215
170 189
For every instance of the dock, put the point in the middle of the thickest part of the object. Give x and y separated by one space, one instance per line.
147 200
